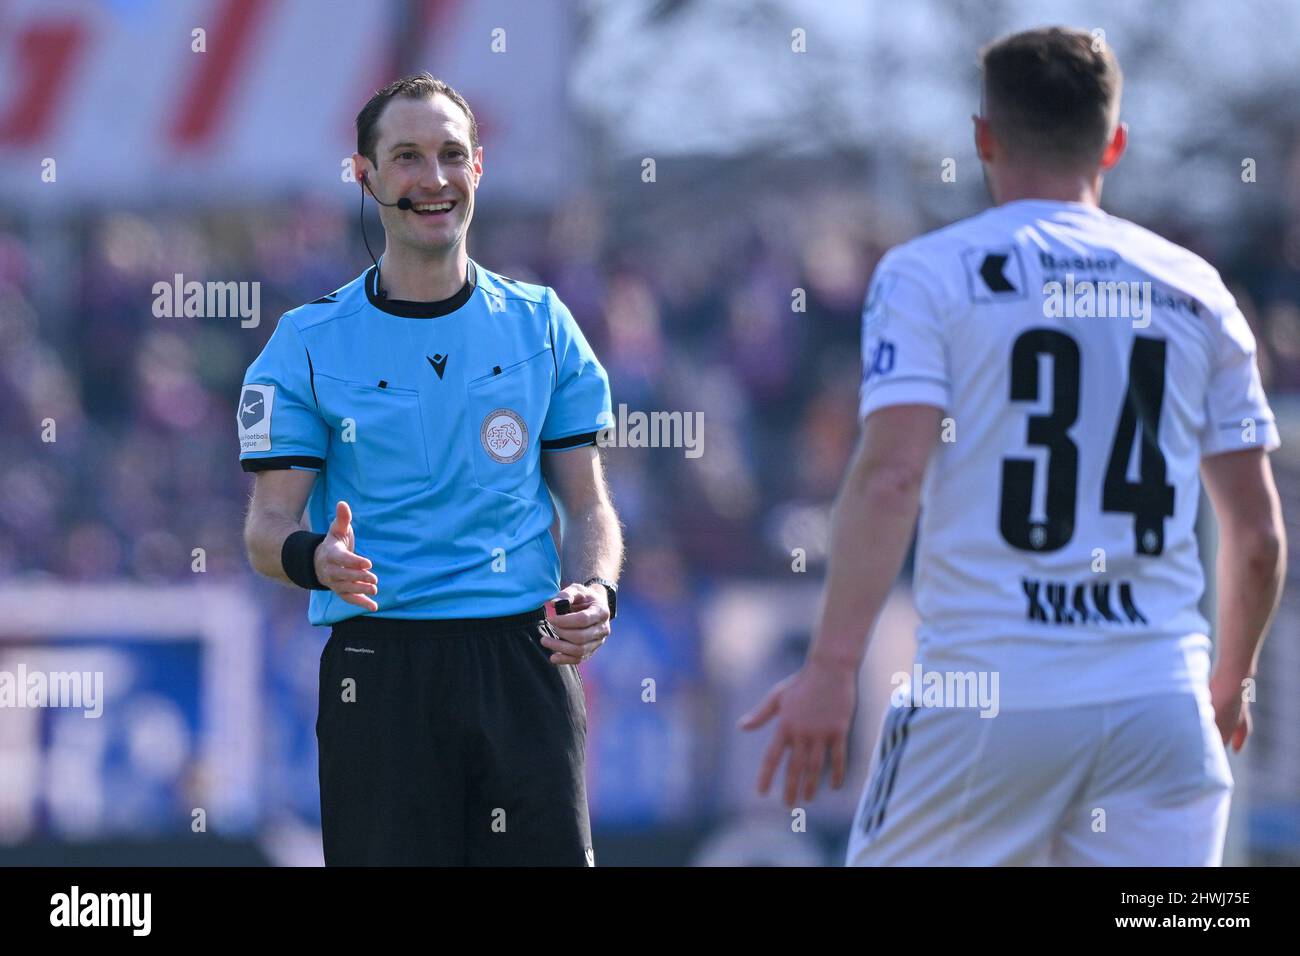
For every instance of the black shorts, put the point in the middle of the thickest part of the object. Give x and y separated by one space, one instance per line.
451 743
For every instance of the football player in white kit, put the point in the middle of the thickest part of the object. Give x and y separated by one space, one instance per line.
1045 380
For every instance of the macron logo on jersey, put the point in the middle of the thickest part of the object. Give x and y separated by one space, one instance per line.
255 417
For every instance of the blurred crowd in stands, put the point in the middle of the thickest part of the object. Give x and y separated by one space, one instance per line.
692 307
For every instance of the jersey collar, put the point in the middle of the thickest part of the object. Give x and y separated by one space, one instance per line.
421 310
1053 204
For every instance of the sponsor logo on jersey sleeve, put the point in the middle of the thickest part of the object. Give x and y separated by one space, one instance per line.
877 353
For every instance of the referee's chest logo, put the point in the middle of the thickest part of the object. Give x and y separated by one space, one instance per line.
504 435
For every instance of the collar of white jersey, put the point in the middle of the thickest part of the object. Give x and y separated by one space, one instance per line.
1042 205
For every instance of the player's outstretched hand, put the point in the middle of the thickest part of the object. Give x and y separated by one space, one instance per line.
583 630
814 707
346 574
1231 710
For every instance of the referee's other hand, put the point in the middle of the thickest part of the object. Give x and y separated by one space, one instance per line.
580 632
346 574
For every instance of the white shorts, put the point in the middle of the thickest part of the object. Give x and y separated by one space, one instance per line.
1139 782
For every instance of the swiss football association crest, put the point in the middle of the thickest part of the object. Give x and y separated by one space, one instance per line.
504 435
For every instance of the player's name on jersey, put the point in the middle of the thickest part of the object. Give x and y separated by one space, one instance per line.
1081 603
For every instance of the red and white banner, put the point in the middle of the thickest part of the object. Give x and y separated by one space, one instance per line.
130 101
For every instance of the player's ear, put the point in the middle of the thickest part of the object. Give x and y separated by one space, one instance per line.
1115 148
984 140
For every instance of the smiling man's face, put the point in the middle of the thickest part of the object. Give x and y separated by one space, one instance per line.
423 152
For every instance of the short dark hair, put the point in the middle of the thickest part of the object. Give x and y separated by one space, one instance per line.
415 87
1052 94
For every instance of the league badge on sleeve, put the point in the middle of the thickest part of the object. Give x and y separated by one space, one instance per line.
254 417
875 314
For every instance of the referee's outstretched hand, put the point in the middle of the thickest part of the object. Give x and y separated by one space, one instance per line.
580 632
346 574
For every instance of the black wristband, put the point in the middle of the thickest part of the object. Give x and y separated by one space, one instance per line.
298 558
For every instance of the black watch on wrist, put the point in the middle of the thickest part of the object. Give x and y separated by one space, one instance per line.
611 589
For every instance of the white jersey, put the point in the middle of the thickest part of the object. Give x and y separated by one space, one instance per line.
1085 365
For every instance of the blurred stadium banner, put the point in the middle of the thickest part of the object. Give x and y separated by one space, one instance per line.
256 99
165 724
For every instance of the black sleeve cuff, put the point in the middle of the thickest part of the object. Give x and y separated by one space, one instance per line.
573 441
280 462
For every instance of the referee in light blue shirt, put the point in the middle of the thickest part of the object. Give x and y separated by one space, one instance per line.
425 415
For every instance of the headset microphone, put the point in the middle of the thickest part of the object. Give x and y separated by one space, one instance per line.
403 204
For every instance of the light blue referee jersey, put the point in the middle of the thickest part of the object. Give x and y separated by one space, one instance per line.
430 420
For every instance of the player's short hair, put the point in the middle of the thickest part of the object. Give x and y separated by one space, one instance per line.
1051 95
416 87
